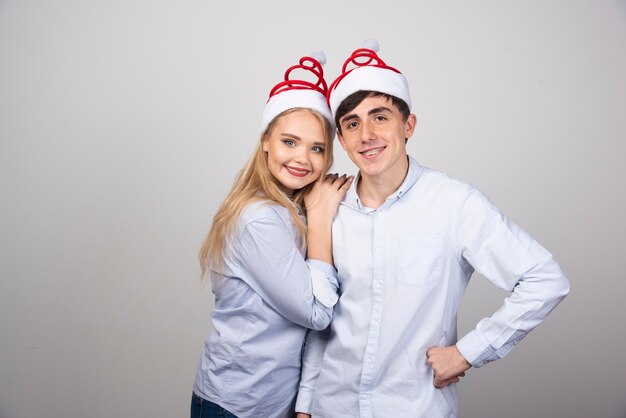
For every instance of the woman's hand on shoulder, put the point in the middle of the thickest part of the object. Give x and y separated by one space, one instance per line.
324 198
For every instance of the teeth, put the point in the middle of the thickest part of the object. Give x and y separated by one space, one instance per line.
372 152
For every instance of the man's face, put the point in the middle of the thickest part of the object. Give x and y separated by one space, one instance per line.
373 134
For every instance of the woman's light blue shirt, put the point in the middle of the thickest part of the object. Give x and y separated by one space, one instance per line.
266 296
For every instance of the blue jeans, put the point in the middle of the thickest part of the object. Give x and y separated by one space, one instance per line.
201 408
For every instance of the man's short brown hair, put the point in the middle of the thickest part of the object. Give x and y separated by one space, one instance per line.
355 99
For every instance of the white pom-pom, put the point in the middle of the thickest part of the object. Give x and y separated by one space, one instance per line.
371 44
319 57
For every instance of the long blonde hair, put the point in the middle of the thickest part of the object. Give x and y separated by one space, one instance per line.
255 183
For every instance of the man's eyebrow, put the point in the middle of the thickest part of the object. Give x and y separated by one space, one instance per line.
381 109
352 116
349 117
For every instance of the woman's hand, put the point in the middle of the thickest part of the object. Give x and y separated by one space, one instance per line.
321 205
323 199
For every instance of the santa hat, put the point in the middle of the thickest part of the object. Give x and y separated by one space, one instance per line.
369 73
298 92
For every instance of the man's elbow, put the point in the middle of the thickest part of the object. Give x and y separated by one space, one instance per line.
558 284
564 287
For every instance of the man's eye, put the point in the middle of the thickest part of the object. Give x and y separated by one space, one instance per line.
351 125
381 118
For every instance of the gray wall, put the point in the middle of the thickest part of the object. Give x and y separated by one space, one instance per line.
123 124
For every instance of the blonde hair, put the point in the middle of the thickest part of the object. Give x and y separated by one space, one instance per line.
256 183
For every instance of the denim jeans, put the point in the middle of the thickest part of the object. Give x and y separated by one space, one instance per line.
201 408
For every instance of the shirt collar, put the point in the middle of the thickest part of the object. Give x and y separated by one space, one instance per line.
352 198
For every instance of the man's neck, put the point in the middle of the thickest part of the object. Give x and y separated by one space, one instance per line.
374 190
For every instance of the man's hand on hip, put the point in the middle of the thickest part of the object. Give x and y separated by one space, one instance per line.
448 365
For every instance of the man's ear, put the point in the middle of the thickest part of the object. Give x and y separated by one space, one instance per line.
340 138
409 125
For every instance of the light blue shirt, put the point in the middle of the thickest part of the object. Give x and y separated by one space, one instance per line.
402 269
265 298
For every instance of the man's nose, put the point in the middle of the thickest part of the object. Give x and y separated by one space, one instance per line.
367 132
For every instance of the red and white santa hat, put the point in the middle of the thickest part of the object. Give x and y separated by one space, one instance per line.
369 72
295 91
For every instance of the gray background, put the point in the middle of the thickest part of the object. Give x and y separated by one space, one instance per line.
123 124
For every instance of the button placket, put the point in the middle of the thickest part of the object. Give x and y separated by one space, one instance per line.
377 289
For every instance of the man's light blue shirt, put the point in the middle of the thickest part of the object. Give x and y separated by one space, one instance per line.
403 269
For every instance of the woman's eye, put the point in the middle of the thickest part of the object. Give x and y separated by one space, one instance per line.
289 142
318 149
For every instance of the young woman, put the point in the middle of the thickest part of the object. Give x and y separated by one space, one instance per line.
268 289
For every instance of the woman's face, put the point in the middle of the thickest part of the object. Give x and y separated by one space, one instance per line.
295 149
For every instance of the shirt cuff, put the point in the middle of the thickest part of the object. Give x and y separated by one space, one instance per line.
328 269
324 282
475 350
304 402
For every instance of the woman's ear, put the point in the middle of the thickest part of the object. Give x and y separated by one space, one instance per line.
266 144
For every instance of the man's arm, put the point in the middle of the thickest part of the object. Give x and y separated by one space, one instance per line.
314 347
512 260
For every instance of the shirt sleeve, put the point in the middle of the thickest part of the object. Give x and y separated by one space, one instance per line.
314 347
509 258
274 267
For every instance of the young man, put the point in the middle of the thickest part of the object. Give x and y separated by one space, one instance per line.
406 240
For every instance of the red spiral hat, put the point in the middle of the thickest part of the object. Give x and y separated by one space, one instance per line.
296 91
365 70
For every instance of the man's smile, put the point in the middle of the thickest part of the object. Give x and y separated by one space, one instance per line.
372 152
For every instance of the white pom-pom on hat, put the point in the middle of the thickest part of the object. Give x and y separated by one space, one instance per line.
319 57
371 44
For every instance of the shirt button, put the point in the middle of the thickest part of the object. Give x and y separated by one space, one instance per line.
309 297
377 285
364 396
374 323
368 360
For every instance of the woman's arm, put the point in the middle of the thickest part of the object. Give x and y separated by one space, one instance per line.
321 205
303 291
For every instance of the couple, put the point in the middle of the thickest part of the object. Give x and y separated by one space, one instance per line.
405 241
